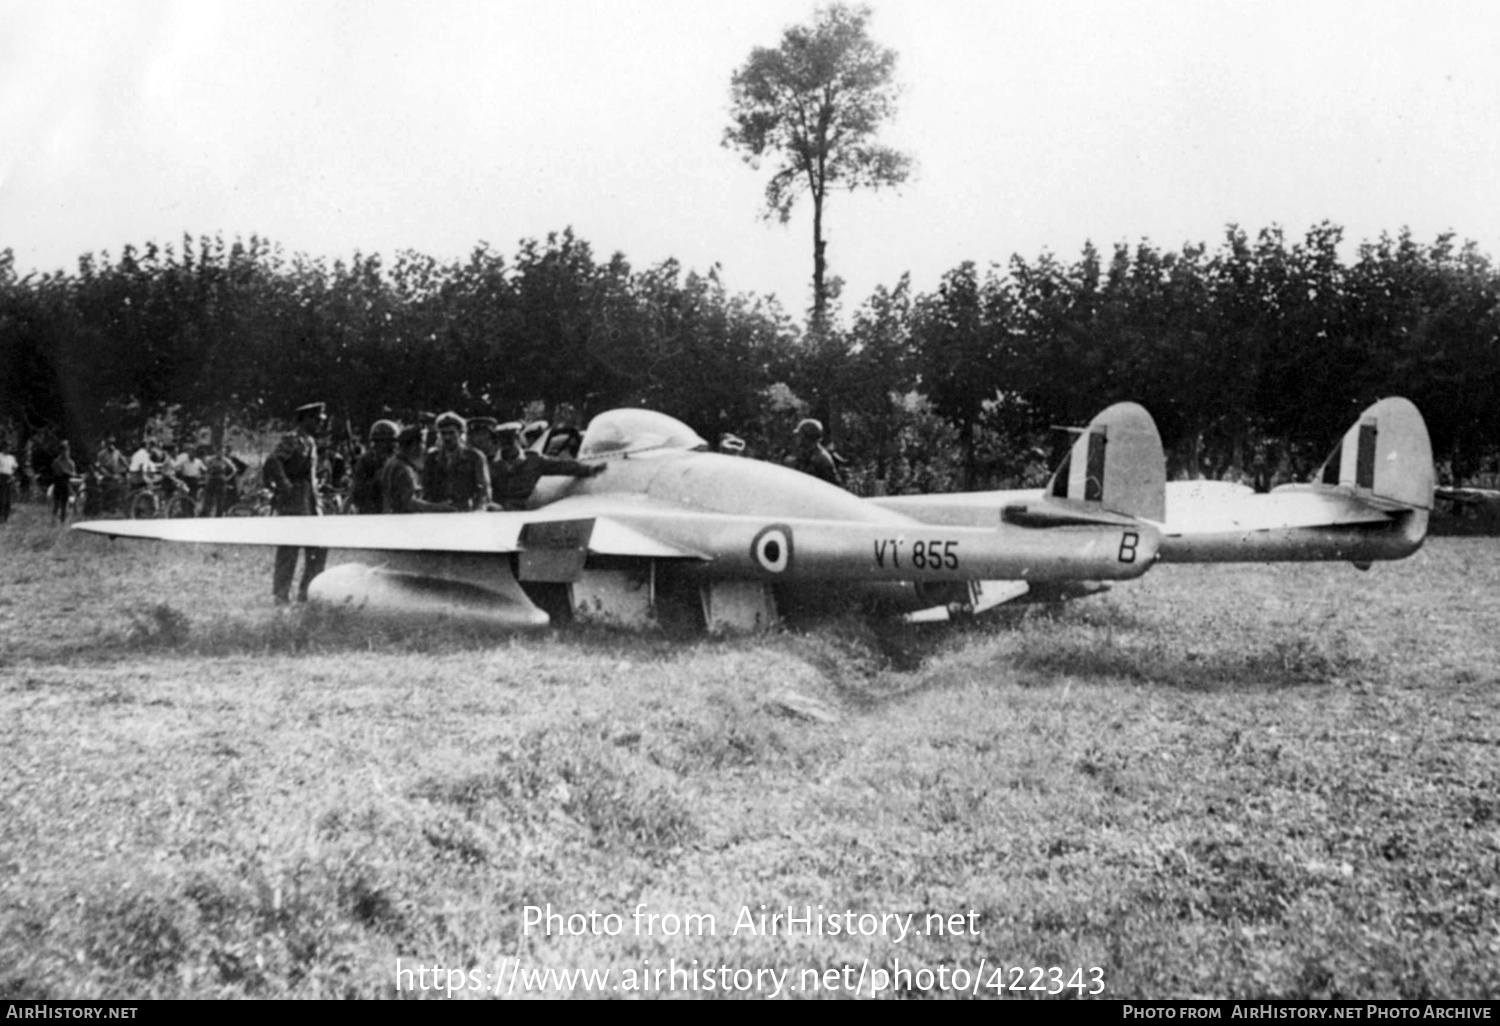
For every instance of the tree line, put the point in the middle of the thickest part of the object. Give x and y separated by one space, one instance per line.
1253 356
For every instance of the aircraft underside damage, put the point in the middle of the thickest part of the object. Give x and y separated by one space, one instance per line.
619 595
635 593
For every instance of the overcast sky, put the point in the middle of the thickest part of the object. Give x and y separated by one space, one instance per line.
331 127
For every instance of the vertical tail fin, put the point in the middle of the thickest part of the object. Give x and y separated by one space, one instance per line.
1385 455
1117 463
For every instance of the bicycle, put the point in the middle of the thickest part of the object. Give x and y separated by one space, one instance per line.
75 503
333 501
161 496
256 504
104 495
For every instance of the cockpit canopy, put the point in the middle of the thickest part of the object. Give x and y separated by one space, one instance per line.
619 432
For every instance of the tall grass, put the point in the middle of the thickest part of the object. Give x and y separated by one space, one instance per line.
1216 781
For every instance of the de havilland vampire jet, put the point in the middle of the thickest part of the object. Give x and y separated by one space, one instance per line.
740 531
1370 501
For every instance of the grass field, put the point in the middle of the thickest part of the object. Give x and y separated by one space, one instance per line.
1216 781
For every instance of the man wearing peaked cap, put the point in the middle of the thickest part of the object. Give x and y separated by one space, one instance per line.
291 471
455 472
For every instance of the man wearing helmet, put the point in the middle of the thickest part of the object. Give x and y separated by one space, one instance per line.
365 494
811 456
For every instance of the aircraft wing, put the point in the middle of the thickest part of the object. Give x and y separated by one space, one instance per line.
496 533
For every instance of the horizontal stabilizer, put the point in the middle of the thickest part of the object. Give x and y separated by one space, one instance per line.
1061 513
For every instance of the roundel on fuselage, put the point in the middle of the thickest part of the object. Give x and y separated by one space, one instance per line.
772 549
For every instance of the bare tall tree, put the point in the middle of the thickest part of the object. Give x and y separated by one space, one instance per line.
815 103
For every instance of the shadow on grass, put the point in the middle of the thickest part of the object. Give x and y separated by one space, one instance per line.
1295 661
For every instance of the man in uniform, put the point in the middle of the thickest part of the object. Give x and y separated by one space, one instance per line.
365 492
482 437
514 471
401 478
811 457
290 473
455 472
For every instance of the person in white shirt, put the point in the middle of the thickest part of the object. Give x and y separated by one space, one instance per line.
144 464
189 468
8 468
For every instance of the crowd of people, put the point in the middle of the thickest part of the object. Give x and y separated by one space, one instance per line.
459 465
476 464
207 478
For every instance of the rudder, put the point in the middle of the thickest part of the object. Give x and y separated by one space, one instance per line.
1386 455
1117 462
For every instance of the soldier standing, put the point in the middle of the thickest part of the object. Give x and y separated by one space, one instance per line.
455 472
290 472
514 471
401 478
365 492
